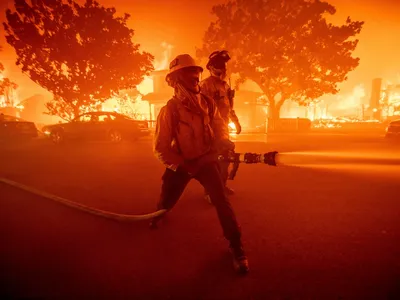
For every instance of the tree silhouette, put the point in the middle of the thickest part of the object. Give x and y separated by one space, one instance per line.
83 54
286 47
5 85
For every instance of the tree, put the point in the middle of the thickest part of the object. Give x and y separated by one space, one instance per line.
286 47
83 54
5 85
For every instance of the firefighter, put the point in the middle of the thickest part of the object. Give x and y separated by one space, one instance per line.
189 133
216 87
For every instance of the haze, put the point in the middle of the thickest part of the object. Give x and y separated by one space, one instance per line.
182 24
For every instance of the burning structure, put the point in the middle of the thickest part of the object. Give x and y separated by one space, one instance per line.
390 102
145 102
384 102
9 102
160 94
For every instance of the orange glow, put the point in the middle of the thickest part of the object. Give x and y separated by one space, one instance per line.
166 57
9 97
143 108
134 108
232 129
146 86
159 21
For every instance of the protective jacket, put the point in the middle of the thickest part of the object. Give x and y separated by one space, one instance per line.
187 139
221 93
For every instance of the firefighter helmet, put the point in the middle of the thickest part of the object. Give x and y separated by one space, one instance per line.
218 59
182 61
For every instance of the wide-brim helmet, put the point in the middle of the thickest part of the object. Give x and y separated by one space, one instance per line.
180 62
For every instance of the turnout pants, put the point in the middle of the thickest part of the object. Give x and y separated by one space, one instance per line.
224 170
174 183
223 167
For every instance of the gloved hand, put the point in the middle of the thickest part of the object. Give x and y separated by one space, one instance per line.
238 128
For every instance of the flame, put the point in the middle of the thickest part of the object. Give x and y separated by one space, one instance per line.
354 100
9 97
166 56
137 108
232 128
134 108
146 86
142 109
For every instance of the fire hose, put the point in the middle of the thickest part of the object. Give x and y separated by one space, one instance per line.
268 158
84 208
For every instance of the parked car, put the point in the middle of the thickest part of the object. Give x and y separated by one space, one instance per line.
98 126
393 129
13 128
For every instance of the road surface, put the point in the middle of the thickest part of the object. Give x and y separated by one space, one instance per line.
314 228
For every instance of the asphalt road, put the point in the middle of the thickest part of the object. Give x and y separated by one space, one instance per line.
320 226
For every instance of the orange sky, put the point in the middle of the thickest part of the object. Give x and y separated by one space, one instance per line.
182 23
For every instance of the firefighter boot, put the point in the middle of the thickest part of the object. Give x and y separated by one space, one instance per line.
240 262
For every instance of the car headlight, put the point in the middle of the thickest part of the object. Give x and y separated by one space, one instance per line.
46 131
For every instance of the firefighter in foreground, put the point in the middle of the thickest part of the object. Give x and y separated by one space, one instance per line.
220 91
189 133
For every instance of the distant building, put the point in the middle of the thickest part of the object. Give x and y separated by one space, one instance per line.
390 102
